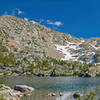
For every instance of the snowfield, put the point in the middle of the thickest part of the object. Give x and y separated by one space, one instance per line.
70 54
66 50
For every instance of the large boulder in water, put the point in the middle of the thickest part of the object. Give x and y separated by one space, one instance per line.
23 88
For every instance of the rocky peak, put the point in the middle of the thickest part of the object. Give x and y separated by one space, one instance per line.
35 39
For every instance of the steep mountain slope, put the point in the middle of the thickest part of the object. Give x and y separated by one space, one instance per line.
34 40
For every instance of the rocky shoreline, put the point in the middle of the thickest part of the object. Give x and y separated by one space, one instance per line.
21 91
6 93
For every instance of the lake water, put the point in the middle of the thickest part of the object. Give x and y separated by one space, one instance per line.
66 85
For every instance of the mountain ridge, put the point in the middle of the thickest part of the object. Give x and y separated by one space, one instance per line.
31 48
46 38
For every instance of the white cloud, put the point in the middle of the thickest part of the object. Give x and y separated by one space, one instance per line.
33 21
14 12
56 23
26 19
30 20
49 22
19 12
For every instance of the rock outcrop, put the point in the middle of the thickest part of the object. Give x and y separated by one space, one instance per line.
6 93
23 88
30 48
32 39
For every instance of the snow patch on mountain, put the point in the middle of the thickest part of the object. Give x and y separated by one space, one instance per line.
67 51
74 52
64 50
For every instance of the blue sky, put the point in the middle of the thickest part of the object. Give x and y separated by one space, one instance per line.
80 18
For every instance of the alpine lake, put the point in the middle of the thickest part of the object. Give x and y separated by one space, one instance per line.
46 85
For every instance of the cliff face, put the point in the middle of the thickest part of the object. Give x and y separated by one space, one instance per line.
27 39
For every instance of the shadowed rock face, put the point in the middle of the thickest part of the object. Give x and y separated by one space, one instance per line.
27 39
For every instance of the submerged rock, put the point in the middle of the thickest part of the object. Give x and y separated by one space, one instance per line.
76 95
